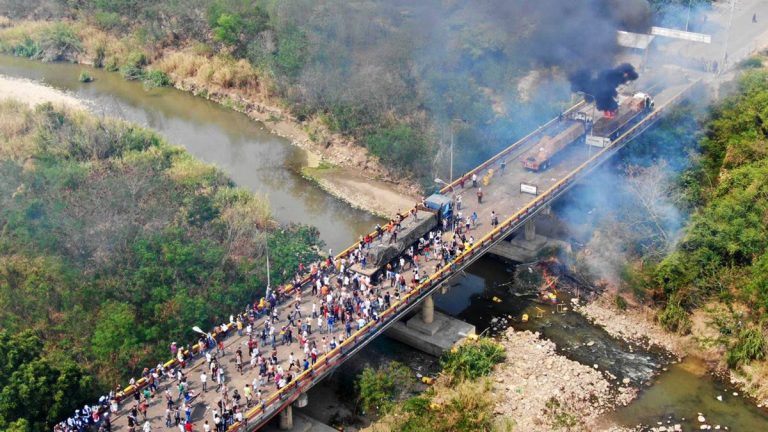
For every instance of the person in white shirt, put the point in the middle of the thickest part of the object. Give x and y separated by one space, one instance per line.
204 381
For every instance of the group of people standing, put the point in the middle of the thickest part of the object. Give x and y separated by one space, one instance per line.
281 335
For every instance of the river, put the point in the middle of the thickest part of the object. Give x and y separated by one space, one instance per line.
269 165
254 158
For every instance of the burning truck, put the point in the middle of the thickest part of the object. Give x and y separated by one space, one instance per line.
620 113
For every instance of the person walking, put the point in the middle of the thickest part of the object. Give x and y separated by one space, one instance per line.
204 380
480 195
474 180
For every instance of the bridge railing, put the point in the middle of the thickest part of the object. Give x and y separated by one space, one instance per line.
504 153
334 357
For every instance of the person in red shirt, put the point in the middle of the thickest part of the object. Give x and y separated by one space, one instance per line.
188 427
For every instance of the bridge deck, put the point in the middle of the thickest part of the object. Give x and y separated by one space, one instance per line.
501 195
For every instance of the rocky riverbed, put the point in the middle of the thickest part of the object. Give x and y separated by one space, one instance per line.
635 325
542 390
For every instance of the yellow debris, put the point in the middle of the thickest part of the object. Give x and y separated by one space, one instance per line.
496 299
427 380
525 317
472 337
434 407
487 177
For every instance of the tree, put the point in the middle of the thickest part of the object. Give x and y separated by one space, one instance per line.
36 391
116 336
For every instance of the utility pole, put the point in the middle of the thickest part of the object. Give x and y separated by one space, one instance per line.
269 284
450 176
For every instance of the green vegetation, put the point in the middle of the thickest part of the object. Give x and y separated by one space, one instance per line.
472 360
750 345
113 244
460 400
379 389
560 417
156 78
723 253
465 407
84 77
37 388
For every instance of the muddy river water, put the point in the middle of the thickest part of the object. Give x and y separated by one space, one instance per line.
269 165
254 158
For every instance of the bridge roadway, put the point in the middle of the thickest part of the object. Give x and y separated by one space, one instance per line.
501 195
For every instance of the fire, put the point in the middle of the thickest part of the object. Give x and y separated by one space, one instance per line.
609 114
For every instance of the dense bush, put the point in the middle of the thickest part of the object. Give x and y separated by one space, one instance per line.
132 73
379 389
750 345
465 407
37 389
400 146
156 78
472 359
60 43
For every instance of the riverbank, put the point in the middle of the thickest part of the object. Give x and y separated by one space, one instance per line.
703 346
239 86
542 390
32 93
339 166
636 325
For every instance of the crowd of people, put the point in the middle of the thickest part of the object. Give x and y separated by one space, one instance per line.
282 334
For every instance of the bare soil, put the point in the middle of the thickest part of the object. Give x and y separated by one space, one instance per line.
32 93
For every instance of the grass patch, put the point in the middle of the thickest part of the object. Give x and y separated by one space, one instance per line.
472 359
156 78
379 389
84 77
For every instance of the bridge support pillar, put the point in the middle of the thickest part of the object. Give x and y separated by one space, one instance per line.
302 401
428 310
530 230
286 418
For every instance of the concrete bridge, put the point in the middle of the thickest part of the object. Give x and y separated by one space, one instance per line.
516 195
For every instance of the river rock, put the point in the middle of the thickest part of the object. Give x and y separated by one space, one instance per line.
719 397
701 419
625 381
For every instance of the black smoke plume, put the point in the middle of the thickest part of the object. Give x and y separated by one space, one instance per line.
602 87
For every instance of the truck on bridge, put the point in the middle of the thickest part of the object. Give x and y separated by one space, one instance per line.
631 110
424 219
540 156
599 134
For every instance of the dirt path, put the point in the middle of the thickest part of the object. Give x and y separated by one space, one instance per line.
34 93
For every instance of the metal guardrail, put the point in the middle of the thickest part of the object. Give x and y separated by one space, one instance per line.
258 415
307 378
517 144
